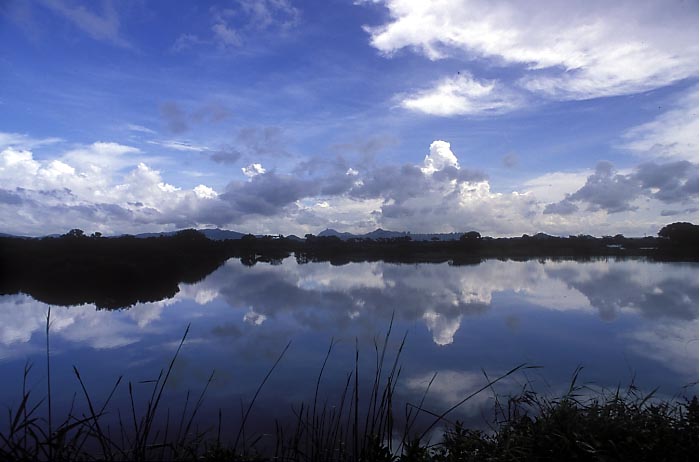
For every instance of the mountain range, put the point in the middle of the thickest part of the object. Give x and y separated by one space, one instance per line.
224 234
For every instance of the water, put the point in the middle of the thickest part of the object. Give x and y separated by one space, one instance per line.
624 322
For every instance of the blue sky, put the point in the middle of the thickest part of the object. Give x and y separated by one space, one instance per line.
281 116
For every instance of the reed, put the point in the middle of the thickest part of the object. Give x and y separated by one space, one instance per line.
360 424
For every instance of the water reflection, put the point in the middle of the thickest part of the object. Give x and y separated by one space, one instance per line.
441 295
618 318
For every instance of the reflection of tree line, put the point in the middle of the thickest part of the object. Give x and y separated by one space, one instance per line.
109 272
118 272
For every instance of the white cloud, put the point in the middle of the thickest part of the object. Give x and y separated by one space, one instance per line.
553 186
462 95
112 188
673 135
253 318
140 128
451 387
86 188
327 278
22 317
442 327
103 155
674 344
440 156
565 50
253 170
179 145
204 192
22 141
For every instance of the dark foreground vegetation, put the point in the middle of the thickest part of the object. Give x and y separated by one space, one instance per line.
363 424
119 272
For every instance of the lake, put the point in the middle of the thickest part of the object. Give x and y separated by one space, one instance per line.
626 322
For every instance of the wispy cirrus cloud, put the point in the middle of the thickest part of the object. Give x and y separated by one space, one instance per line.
558 50
672 135
178 145
240 22
462 95
103 26
23 141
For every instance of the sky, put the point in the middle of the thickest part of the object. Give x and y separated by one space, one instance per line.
290 117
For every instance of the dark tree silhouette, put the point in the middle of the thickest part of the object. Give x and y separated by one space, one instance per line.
680 232
75 232
470 236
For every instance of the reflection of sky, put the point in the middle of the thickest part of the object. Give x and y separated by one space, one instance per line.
617 319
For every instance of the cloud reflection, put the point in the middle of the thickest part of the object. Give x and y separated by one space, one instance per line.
326 298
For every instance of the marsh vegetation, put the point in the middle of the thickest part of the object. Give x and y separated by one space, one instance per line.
365 423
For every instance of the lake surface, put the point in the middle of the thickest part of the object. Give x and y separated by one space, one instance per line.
625 322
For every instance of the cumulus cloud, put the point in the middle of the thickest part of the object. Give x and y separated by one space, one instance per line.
253 318
93 186
440 156
605 189
114 188
440 195
572 50
442 328
252 170
440 175
267 193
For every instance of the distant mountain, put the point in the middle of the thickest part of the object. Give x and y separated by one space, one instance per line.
224 234
221 234
331 232
380 233
213 234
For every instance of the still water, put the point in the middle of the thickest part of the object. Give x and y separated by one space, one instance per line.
625 322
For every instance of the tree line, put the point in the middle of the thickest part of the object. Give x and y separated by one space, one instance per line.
78 268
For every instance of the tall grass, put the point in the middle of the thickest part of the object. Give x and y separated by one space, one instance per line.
362 423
